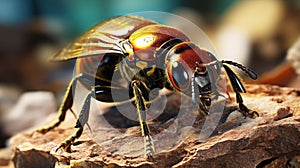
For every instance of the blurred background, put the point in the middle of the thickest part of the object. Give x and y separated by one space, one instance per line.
256 33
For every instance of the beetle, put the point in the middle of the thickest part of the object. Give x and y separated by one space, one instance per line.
146 55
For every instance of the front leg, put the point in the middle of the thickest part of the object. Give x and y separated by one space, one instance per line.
202 108
141 107
244 109
239 88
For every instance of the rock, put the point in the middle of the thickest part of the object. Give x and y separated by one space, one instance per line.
293 56
270 140
30 110
8 98
5 156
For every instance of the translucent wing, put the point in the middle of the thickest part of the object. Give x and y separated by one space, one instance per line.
103 38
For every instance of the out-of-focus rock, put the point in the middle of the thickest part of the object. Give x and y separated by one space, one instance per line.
286 74
5 156
258 39
30 111
293 56
8 97
235 141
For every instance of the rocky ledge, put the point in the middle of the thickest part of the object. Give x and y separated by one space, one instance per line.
222 139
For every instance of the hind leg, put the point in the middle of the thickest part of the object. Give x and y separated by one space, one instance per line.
66 104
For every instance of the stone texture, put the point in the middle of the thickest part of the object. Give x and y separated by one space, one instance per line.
29 111
220 140
5 156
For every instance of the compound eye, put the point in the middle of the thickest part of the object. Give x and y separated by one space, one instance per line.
178 76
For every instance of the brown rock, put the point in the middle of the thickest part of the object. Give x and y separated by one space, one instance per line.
5 156
185 141
29 111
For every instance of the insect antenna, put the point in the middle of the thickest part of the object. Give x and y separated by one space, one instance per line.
249 71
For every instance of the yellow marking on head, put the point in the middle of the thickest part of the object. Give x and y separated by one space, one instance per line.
151 71
141 64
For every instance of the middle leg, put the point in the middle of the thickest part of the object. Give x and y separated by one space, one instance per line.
140 104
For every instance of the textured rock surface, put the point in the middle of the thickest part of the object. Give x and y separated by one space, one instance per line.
225 140
5 156
28 112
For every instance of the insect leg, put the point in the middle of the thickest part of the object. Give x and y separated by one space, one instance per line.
244 109
141 107
195 99
239 88
81 121
65 105
99 92
203 109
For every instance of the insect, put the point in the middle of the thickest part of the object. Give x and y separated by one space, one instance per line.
146 55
